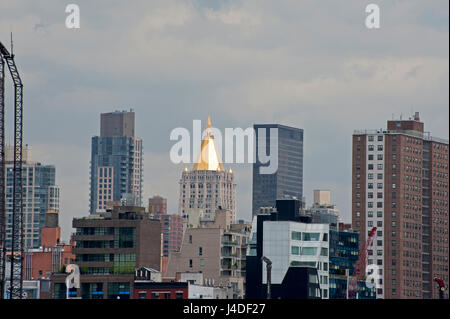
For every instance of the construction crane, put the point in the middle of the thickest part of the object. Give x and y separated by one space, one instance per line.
360 268
17 243
2 180
441 286
269 275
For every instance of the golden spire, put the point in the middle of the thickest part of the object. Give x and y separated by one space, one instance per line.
209 158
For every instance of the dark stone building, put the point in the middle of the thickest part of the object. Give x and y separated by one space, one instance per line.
287 181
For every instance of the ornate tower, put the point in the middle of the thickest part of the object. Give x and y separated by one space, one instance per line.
207 186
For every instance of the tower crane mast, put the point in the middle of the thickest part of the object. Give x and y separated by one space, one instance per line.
16 253
360 268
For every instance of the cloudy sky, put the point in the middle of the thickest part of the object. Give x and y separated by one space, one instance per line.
308 64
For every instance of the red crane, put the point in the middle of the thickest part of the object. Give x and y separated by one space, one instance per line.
441 285
360 268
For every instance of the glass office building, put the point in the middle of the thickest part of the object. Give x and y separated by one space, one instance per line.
287 181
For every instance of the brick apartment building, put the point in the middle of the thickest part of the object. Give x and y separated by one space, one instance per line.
400 185
40 263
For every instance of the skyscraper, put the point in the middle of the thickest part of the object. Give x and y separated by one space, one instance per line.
287 181
40 195
400 185
207 186
116 162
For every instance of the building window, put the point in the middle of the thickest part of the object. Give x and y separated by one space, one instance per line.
380 138
142 295
324 252
309 251
200 251
190 263
202 262
311 236
295 250
179 295
295 235
190 239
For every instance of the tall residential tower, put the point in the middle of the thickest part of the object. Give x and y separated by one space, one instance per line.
400 185
116 162
40 195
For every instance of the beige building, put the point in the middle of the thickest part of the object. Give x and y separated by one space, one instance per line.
207 186
217 248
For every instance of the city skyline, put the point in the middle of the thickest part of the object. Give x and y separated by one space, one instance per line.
242 63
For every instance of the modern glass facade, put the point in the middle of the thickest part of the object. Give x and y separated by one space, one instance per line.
344 253
287 181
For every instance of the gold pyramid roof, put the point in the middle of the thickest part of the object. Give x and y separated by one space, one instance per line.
208 159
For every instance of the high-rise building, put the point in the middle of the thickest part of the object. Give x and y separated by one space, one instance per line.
40 195
287 181
207 186
400 185
116 162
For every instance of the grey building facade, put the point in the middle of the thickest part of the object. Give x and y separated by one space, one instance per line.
116 162
287 181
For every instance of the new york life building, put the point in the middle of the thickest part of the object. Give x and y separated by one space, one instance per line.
208 186
116 162
400 185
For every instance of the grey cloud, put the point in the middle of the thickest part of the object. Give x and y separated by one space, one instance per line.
306 63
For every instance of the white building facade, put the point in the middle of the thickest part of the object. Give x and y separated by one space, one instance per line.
288 243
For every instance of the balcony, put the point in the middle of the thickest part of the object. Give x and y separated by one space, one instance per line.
229 243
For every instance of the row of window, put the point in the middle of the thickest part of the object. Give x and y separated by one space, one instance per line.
308 251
